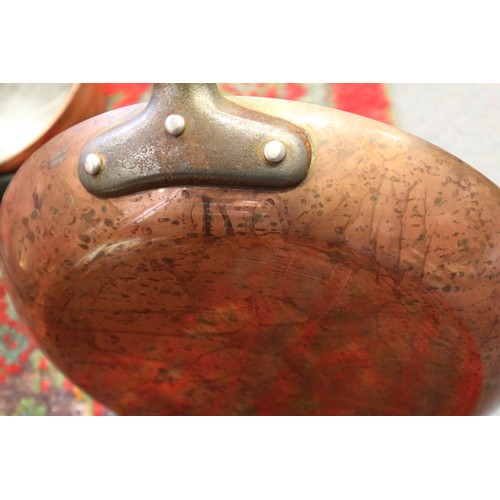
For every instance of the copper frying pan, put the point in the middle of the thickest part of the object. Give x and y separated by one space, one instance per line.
179 267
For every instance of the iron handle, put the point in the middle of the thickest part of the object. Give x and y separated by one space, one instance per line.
208 140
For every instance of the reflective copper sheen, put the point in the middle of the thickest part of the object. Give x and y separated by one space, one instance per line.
371 288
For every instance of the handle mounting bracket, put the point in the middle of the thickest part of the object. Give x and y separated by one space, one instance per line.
208 140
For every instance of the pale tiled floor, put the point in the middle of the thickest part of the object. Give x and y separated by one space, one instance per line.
463 118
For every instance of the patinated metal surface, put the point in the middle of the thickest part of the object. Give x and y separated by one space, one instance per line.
223 144
370 288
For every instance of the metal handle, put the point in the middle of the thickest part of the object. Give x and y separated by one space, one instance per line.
190 134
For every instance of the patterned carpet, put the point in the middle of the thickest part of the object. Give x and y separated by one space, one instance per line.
29 383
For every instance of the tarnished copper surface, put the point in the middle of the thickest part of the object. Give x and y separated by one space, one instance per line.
370 288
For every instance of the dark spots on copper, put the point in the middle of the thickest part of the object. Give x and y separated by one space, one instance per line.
37 200
298 232
69 200
89 217
207 215
31 236
227 221
55 159
84 237
109 223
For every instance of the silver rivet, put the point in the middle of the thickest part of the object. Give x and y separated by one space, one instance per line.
274 151
93 164
175 124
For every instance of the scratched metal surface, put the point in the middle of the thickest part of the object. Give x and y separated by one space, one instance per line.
370 288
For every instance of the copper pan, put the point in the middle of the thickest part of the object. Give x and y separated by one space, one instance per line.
33 113
370 286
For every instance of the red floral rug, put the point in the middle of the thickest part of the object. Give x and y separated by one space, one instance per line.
29 383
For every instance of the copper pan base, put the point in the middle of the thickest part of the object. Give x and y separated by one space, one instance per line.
371 288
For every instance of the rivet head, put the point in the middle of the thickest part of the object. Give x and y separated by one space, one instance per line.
175 125
274 151
93 164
